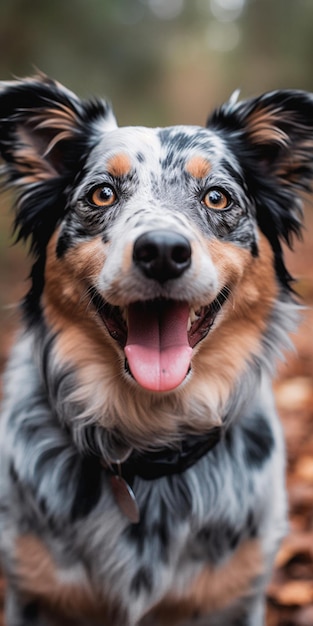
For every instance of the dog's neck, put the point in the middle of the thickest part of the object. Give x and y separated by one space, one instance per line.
168 461
153 464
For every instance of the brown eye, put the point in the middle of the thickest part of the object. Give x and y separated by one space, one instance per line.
103 196
216 199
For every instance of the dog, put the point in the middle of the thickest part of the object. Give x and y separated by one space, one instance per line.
142 460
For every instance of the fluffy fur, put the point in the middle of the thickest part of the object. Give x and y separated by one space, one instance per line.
132 229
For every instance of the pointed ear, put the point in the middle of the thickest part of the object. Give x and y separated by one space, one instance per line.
46 134
272 138
40 124
278 129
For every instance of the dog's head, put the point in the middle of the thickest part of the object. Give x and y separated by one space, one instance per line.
157 251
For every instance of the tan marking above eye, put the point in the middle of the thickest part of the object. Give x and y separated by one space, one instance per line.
216 199
198 166
119 165
102 196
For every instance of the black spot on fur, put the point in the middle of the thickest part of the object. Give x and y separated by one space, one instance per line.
182 497
142 581
258 441
234 539
63 244
229 439
30 613
31 306
156 531
88 488
160 532
13 473
251 525
214 540
175 141
254 249
46 353
137 533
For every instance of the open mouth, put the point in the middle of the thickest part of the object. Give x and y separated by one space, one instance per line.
158 336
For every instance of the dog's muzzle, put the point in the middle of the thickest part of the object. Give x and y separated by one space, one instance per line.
158 336
157 349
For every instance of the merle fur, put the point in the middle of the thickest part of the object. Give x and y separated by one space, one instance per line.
51 482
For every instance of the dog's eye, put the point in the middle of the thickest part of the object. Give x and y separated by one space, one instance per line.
216 199
102 196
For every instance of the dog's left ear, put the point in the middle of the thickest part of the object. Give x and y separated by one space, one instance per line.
46 134
272 138
278 127
272 135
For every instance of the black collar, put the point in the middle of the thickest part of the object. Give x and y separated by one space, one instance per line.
167 461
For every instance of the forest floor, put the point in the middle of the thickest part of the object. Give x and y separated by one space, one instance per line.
290 593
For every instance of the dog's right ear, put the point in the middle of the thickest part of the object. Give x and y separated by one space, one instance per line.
40 123
46 133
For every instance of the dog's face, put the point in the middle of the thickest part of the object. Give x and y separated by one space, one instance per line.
159 234
158 250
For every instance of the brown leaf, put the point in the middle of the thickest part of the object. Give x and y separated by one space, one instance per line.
293 593
294 394
304 469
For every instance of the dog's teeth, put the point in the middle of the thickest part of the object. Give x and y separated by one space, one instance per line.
193 316
196 314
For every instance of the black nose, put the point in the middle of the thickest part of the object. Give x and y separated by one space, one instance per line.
162 254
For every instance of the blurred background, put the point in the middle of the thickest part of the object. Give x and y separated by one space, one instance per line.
163 62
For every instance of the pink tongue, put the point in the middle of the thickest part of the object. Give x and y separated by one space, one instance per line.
157 348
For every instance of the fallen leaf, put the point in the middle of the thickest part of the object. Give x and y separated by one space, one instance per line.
294 394
304 468
293 593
